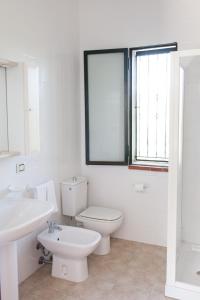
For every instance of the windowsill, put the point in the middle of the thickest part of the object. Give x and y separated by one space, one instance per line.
149 166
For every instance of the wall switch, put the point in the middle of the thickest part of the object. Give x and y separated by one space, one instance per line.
20 168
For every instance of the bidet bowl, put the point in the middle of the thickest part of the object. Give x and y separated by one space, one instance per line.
70 248
71 241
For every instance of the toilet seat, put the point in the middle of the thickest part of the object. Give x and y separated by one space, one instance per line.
100 214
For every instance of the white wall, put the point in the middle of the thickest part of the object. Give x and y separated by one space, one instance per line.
114 24
46 30
145 213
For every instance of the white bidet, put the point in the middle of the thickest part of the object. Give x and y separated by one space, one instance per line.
70 247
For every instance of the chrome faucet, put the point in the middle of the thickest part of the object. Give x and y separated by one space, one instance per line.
53 226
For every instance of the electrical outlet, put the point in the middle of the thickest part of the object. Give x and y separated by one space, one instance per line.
20 168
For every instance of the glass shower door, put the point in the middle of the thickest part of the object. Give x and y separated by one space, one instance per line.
183 246
188 249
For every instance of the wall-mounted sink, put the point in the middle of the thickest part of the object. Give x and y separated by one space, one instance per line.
18 217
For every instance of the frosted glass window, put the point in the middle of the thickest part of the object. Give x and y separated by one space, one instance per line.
106 107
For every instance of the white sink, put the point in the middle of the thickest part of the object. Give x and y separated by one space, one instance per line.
18 217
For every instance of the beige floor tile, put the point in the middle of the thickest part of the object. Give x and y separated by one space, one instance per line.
132 271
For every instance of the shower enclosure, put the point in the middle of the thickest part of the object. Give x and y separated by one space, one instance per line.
183 254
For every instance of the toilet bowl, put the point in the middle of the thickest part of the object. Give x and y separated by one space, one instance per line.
103 220
70 248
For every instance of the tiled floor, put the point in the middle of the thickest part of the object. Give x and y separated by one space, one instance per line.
132 271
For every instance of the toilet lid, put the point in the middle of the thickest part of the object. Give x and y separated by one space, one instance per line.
101 213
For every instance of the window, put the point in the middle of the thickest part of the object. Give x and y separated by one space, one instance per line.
106 106
107 109
150 68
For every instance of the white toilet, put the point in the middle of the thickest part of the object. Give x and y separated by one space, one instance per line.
70 247
101 219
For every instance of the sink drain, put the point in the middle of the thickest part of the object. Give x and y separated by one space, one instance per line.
198 273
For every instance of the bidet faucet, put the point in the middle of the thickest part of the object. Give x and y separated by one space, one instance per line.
53 226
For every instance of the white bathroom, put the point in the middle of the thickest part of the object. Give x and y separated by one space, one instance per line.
99 146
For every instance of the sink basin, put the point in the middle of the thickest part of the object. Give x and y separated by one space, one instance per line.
18 217
21 216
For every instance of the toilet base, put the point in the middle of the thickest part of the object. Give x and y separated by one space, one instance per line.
104 246
75 270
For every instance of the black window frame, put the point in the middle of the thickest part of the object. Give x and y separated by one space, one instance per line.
126 100
145 50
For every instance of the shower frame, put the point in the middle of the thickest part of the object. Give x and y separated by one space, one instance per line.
173 288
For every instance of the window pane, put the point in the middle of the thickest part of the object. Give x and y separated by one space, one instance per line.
152 107
106 107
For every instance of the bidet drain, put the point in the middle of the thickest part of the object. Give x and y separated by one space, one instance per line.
198 273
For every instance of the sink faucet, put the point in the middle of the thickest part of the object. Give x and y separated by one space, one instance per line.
53 226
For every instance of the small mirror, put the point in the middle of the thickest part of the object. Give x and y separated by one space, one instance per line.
19 108
4 146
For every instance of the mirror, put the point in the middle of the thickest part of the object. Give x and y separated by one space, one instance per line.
19 108
3 112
